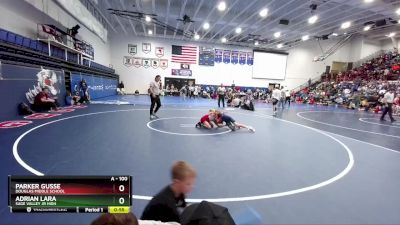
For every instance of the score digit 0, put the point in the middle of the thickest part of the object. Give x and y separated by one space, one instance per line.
121 200
121 188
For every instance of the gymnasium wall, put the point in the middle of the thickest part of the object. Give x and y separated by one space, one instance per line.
355 48
388 44
139 78
22 17
300 65
370 47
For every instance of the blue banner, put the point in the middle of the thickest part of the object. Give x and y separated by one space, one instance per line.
98 87
206 56
227 56
250 58
242 58
218 55
235 57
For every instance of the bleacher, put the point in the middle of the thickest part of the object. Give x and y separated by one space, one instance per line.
16 46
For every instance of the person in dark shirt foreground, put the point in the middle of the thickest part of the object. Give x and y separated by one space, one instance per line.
165 205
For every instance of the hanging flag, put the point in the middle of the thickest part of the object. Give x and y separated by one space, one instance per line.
234 57
227 56
159 52
218 55
184 54
242 58
128 61
164 63
137 62
206 56
146 47
155 63
250 58
132 49
146 63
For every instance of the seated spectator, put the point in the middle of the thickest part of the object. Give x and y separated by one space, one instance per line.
236 102
165 205
84 98
137 92
43 102
248 101
72 99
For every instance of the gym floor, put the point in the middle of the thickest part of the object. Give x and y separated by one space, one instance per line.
308 165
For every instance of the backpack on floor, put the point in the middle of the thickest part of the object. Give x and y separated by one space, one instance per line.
24 109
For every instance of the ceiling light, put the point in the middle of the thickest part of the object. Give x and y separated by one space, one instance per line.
305 37
148 18
398 11
279 46
312 19
222 6
196 37
277 34
368 1
334 34
150 32
366 28
256 43
223 40
238 30
391 34
263 12
206 26
345 25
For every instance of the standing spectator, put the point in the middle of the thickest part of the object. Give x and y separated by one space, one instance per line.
221 95
168 90
184 92
43 102
121 88
282 98
191 91
164 206
155 91
83 89
287 96
195 92
276 95
388 99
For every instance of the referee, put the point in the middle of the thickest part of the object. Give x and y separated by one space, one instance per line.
154 91
388 99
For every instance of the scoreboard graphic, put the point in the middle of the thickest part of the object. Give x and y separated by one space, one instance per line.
76 194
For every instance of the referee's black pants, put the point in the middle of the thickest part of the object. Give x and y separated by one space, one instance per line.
155 101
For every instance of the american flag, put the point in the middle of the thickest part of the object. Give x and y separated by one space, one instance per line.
184 54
